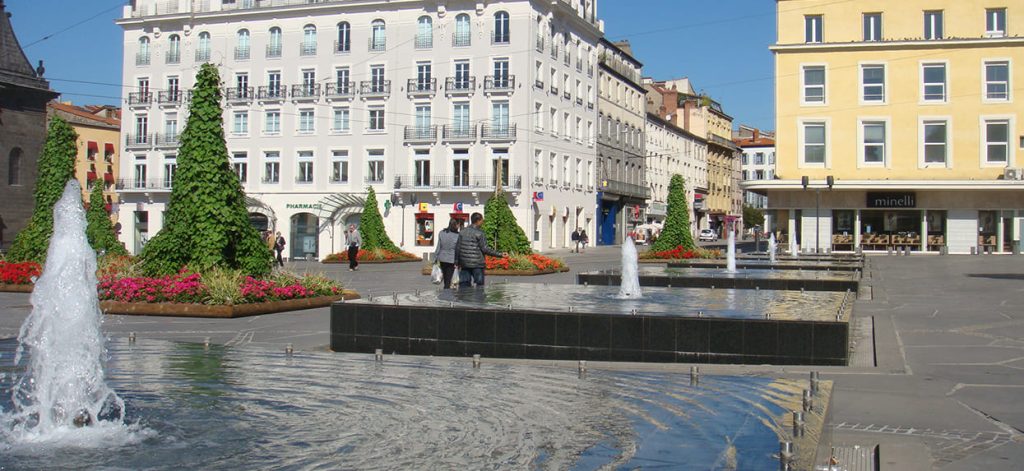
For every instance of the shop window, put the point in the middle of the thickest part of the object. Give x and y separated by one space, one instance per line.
987 225
936 224
890 229
424 229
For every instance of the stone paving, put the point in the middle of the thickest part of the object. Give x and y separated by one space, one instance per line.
943 391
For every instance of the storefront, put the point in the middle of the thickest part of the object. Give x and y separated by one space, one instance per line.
424 226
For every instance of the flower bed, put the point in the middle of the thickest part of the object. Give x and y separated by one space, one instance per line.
372 256
20 273
520 265
678 253
215 288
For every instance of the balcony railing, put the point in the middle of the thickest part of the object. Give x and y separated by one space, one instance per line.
140 98
142 58
241 53
273 50
421 87
172 57
167 140
271 93
500 37
170 97
239 94
459 132
462 39
340 90
457 182
342 46
202 55
137 141
624 188
421 133
499 83
459 85
491 132
424 41
375 88
377 44
149 184
307 49
306 91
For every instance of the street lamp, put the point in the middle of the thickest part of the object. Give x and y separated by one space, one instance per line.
396 199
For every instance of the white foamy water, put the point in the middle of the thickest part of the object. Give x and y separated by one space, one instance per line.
772 248
61 397
731 254
630 287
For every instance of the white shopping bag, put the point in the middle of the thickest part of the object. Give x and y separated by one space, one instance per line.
435 274
455 277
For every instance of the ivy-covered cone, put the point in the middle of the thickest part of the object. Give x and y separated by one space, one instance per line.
676 232
56 167
501 228
371 226
100 231
207 224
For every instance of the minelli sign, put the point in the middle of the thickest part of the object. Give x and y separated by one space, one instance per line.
892 200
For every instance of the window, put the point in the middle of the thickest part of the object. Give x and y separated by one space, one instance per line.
501 28
271 167
242 45
566 176
995 22
462 35
305 160
378 36
242 85
344 42
812 28
745 159
170 168
308 41
423 121
173 89
934 82
376 123
462 75
499 166
997 81
274 44
307 121
141 129
341 80
421 168
814 143
460 167
143 55
552 163
341 120
240 165
171 128
872 26
274 88
140 176
872 83
272 122
538 116
174 49
14 167
935 143
309 82
873 142
424 33
499 116
501 73
814 84
460 119
423 76
377 83
997 141
933 24
375 169
203 47
759 158
339 166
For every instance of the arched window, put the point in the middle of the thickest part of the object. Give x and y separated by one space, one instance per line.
143 56
242 45
173 49
378 36
501 28
308 46
274 45
462 30
14 167
424 33
203 47
344 43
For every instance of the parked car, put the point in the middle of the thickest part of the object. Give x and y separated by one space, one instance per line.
708 235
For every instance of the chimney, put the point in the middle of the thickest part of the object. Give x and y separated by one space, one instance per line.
756 132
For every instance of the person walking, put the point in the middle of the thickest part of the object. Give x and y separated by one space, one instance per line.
353 240
576 239
447 243
279 248
584 240
472 247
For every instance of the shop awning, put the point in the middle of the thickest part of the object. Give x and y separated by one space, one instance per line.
93 147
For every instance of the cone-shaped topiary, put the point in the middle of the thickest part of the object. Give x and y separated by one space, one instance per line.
206 225
677 223
371 226
100 231
56 167
501 228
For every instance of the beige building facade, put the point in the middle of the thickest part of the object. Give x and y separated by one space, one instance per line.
99 138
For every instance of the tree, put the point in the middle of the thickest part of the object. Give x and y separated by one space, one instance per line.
56 167
501 228
371 226
100 231
677 223
753 216
206 225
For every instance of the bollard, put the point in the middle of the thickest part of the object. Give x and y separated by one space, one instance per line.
767 315
288 349
632 312
700 313
974 251
582 366
808 402
798 424
814 383
712 286
476 360
694 373
510 307
785 456
378 355
131 337
206 342
572 308
888 250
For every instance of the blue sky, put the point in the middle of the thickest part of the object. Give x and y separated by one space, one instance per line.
722 45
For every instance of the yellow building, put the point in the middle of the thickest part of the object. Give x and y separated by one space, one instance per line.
898 125
99 136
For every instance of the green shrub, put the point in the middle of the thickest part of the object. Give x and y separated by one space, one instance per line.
501 228
100 231
371 226
223 286
676 232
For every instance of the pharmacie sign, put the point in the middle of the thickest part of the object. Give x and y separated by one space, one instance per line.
303 206
892 200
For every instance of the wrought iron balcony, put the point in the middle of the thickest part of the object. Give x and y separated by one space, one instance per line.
167 140
421 133
170 97
148 184
306 92
202 55
172 57
500 37
462 39
623 188
140 98
499 83
457 182
241 53
342 46
375 88
459 85
459 132
421 87
492 132
239 94
137 141
307 49
142 58
340 91
271 93
273 50
377 44
424 41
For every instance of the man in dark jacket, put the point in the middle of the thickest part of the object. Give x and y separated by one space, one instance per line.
470 251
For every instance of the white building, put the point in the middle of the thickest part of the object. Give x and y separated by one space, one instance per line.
672 150
425 101
757 161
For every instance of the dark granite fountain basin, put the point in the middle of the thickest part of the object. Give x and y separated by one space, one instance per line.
811 280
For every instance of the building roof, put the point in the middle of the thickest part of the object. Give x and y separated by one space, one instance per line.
83 115
755 142
672 127
15 68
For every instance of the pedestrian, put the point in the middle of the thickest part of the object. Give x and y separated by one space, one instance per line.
576 239
472 247
447 242
279 248
353 240
584 239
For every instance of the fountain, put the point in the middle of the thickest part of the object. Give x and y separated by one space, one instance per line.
771 249
630 286
62 388
793 250
730 266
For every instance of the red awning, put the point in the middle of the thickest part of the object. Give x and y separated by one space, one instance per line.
108 148
108 177
90 176
424 215
94 147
